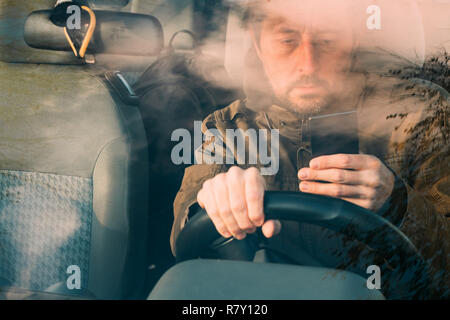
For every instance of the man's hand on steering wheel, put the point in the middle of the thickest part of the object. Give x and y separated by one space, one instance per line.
234 200
358 178
235 203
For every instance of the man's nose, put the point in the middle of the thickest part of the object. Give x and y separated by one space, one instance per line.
306 57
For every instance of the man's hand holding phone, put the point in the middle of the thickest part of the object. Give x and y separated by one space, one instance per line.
358 178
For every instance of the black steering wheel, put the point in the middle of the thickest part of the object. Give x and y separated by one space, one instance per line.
331 213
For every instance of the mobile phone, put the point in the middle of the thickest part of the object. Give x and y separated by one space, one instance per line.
334 133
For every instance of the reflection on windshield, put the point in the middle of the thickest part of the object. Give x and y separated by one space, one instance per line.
175 106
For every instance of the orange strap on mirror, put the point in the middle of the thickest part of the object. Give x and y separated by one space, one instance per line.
87 37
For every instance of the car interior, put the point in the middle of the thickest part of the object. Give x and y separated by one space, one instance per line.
76 142
75 187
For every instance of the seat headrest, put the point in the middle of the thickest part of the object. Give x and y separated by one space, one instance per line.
120 33
399 41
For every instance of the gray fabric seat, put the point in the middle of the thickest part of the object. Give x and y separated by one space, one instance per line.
73 172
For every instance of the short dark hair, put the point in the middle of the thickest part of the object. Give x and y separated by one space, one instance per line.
252 13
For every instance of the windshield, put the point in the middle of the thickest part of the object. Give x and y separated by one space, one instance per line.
120 120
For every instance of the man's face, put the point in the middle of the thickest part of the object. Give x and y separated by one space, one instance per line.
306 51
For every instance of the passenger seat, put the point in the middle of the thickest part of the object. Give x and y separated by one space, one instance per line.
73 158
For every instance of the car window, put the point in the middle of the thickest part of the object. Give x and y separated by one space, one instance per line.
123 123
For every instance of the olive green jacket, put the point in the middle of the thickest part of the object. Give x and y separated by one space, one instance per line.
397 122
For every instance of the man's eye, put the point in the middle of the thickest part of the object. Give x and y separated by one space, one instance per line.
326 42
289 42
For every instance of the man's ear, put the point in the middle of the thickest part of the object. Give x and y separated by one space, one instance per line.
255 42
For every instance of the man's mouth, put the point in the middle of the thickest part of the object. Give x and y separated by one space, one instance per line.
308 89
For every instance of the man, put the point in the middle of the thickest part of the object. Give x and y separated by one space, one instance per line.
303 63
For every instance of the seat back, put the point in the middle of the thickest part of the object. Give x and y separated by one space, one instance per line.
73 171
